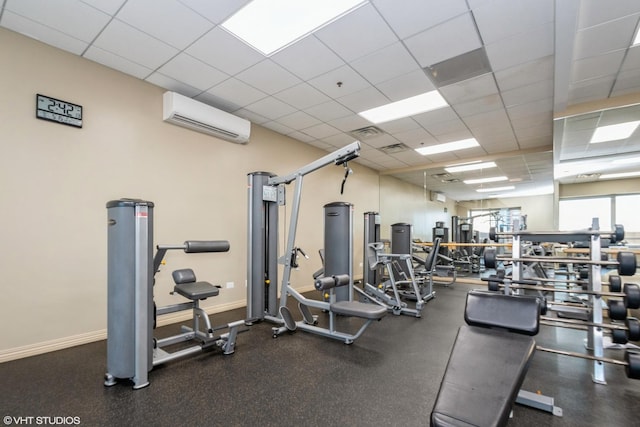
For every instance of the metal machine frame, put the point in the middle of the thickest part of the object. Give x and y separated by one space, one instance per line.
266 192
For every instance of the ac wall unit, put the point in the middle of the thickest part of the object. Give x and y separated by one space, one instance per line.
184 111
438 197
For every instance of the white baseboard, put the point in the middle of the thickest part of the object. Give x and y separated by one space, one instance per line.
88 337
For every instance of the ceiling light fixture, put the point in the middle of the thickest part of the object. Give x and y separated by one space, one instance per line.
449 146
636 40
614 132
488 190
619 175
485 180
269 26
406 107
470 167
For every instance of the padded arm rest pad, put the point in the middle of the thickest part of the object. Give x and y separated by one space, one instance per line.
324 283
483 376
517 313
195 246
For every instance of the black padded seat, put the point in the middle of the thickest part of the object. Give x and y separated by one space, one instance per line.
197 290
188 287
479 390
359 309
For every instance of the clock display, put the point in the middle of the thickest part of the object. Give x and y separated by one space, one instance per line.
55 110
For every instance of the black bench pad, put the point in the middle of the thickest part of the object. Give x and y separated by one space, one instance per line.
359 309
483 377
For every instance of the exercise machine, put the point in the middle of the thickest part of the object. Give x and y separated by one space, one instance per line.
400 283
132 351
266 193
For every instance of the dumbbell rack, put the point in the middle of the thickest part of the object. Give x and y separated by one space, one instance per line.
595 338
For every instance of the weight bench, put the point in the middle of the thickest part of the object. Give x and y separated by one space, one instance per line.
489 360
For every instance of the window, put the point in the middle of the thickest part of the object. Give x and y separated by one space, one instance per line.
627 212
578 214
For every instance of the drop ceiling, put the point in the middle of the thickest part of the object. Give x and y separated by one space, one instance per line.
507 69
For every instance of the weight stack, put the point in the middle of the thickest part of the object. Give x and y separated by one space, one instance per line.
130 289
338 245
401 242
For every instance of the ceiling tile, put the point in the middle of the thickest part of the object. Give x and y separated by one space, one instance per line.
167 20
116 62
321 130
470 89
302 96
328 111
217 101
107 6
405 86
268 76
480 105
70 17
349 123
632 60
597 12
271 108
339 140
521 48
350 82
364 99
298 120
237 92
215 11
529 93
308 58
38 31
372 31
612 35
385 64
447 40
502 19
594 67
417 15
134 45
526 73
627 82
278 127
172 84
192 72
220 49
252 116
589 90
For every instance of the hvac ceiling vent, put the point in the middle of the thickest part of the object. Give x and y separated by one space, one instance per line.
368 132
441 176
186 112
460 68
394 148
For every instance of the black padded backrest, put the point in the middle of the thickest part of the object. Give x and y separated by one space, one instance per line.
185 275
430 261
516 313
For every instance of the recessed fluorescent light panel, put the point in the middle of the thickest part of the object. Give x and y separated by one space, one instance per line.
449 146
619 175
406 107
269 26
470 167
489 190
636 41
627 160
614 132
485 180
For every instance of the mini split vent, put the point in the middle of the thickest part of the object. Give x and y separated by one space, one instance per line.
445 177
186 112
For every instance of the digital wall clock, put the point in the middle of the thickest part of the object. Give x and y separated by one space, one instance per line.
55 110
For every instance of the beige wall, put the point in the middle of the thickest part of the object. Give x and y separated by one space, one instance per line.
57 179
601 188
404 202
